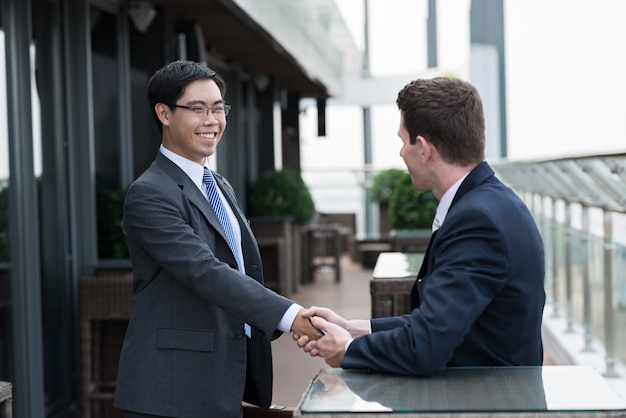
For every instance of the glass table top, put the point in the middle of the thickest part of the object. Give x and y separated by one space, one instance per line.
488 389
397 265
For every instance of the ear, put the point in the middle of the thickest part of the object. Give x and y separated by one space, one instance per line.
163 112
426 148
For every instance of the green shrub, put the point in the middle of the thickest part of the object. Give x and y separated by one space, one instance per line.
410 208
282 193
384 183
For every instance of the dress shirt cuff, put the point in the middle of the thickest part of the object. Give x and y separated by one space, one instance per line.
345 350
352 339
290 315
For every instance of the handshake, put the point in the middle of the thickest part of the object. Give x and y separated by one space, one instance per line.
321 332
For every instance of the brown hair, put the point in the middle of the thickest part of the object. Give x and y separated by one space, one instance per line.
448 112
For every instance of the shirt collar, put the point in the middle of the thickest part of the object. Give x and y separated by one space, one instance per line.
194 170
446 200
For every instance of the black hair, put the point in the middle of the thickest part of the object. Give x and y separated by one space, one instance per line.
168 84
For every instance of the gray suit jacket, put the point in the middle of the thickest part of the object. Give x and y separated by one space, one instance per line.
185 353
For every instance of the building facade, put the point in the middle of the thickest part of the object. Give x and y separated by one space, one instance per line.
77 130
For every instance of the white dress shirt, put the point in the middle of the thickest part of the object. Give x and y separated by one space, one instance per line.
445 202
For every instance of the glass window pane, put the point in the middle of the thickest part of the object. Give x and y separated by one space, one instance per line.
5 283
109 192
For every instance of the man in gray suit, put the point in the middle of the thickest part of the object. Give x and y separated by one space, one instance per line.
198 339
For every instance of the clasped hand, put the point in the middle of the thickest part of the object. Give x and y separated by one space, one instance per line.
331 346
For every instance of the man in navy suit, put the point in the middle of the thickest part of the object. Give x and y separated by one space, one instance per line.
479 296
198 339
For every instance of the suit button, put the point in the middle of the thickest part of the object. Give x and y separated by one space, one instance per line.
419 280
240 335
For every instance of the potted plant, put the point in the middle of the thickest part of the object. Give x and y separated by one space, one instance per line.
383 184
411 213
282 193
279 204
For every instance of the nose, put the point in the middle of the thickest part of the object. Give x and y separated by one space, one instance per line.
209 118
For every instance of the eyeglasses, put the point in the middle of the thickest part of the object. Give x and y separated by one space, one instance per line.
221 110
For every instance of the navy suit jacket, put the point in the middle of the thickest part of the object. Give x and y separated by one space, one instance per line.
185 353
479 297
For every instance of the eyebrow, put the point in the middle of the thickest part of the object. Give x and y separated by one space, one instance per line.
202 102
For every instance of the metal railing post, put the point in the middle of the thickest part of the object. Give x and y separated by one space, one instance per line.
569 236
584 256
555 261
609 316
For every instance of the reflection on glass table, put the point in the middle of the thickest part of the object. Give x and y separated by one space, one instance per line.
498 391
397 265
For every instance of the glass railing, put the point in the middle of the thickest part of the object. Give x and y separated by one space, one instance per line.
580 206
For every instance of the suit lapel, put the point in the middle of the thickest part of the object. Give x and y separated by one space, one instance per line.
478 175
422 273
234 205
249 247
424 267
230 198
191 191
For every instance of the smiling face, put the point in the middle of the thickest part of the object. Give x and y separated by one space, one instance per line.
188 134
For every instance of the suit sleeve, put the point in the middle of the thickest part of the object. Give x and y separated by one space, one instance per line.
469 270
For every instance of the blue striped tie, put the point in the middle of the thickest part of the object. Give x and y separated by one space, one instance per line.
218 208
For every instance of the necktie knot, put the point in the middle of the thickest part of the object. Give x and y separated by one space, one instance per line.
207 177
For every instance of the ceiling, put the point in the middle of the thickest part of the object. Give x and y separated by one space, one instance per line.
231 34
